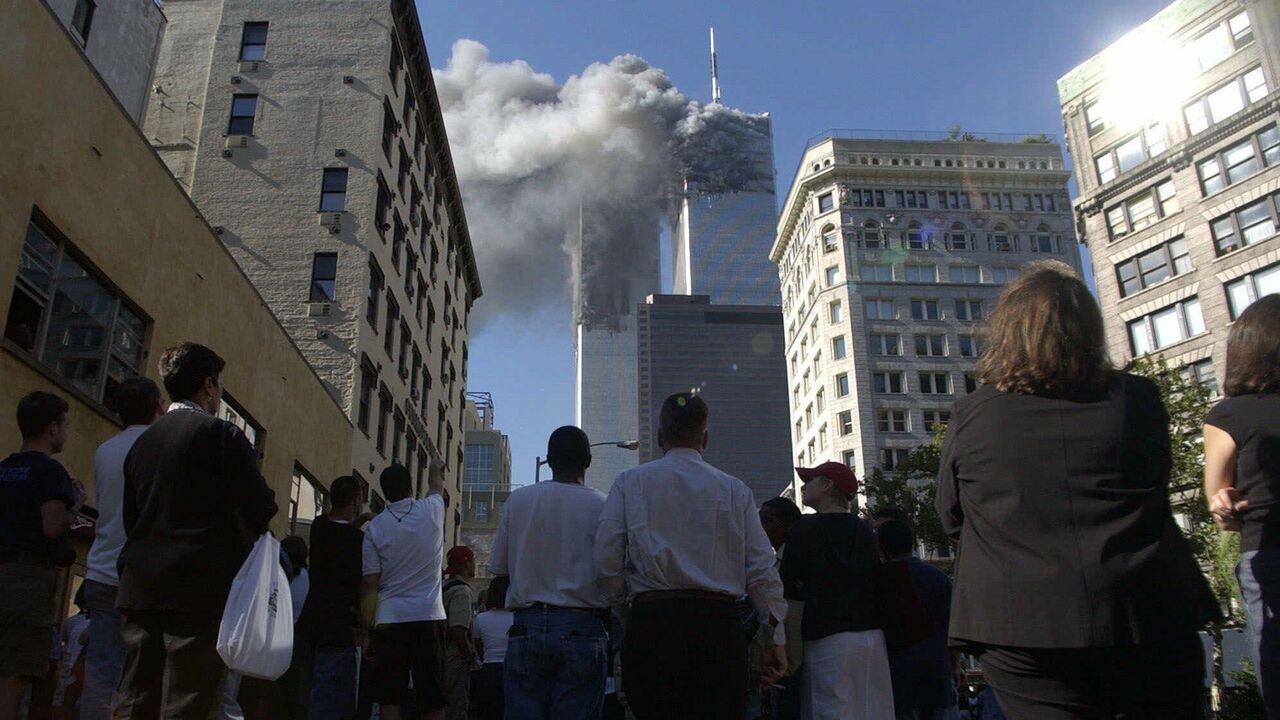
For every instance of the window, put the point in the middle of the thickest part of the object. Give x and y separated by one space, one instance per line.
850 459
1245 291
1240 160
1222 41
865 198
968 347
925 310
964 274
403 361
1166 327
397 238
253 41
820 401
799 429
891 421
931 345
842 385
953 200
1202 372
880 309
826 203
388 128
1142 210
891 458
1129 154
82 19
393 315
71 322
884 344
838 350
324 269
384 412
836 311
243 108
876 273
958 239
333 190
935 418
934 383
1153 266
368 379
397 434
1042 241
918 239
822 438
969 310
845 423
920 273
886 382
306 499
1002 275
376 284
1225 101
1094 117
1001 241
833 275
830 239
970 382
477 470
1246 226
871 236
396 61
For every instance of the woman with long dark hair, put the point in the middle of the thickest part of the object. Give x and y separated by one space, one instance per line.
1242 478
1072 582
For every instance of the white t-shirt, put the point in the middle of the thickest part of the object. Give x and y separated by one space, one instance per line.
544 544
490 628
298 590
108 493
405 544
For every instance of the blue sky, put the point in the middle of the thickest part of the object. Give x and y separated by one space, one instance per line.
904 65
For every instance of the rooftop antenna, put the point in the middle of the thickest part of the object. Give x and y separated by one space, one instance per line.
715 71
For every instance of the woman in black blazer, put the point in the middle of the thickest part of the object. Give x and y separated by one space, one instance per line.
1072 581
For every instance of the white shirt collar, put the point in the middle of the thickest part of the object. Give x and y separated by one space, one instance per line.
684 452
187 405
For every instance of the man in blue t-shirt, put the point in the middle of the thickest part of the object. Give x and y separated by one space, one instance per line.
38 501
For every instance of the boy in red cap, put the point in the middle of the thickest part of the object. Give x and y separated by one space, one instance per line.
460 653
831 565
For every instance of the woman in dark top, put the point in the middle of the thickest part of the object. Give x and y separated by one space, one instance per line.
1072 581
831 564
1242 478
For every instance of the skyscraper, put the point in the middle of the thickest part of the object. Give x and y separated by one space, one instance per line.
325 169
733 356
1174 134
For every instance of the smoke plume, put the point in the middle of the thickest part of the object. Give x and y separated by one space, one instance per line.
534 157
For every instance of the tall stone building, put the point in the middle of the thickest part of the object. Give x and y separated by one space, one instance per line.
889 253
486 482
1173 133
311 137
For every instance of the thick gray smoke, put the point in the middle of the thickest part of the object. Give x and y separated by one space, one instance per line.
533 156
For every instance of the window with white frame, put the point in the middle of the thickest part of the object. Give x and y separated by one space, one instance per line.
872 237
1166 327
1245 291
935 418
887 383
891 458
842 385
891 421
1222 41
1225 101
1002 275
826 202
1239 161
1202 372
935 383
969 310
833 275
920 273
1153 266
926 310
879 309
876 273
885 344
918 238
964 274
931 345
1095 117
1001 240
1143 209
822 438
845 423
1041 241
820 400
838 349
306 500
830 239
1127 155
865 198
1252 223
836 311
958 238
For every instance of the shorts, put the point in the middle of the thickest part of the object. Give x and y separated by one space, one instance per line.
26 619
404 649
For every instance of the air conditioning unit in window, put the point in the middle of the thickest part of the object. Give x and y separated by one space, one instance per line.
331 220
317 309
237 141
248 66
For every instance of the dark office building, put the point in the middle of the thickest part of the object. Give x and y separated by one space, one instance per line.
731 354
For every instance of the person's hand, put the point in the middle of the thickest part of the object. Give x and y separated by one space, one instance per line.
1226 507
78 493
435 476
773 664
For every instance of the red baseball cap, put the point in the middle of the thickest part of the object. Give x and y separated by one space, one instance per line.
458 554
838 473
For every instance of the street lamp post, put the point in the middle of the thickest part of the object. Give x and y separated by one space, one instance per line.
624 444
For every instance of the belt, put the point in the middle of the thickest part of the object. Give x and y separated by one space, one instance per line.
658 595
600 613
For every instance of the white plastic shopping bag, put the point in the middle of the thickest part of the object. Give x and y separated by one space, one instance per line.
256 636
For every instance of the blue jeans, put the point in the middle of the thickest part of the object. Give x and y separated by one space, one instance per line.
104 656
333 683
1258 573
556 664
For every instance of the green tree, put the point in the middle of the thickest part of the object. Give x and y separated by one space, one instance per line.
911 487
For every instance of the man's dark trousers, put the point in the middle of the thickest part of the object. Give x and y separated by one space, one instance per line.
169 654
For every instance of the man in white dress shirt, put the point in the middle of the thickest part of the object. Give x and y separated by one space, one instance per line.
687 539
557 650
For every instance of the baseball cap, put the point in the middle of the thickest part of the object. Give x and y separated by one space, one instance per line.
838 473
458 554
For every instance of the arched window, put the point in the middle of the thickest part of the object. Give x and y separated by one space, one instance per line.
958 238
918 238
1001 240
871 235
1042 241
830 238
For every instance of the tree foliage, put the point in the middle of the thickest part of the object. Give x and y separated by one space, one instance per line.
911 487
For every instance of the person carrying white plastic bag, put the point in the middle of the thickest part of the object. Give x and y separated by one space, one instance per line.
256 635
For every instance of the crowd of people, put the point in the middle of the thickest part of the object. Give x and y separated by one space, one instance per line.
673 596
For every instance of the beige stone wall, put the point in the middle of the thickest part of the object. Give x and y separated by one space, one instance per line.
74 155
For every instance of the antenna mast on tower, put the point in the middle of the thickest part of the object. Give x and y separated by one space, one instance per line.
715 70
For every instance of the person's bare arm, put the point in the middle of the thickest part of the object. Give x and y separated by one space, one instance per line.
56 517
369 599
1225 502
